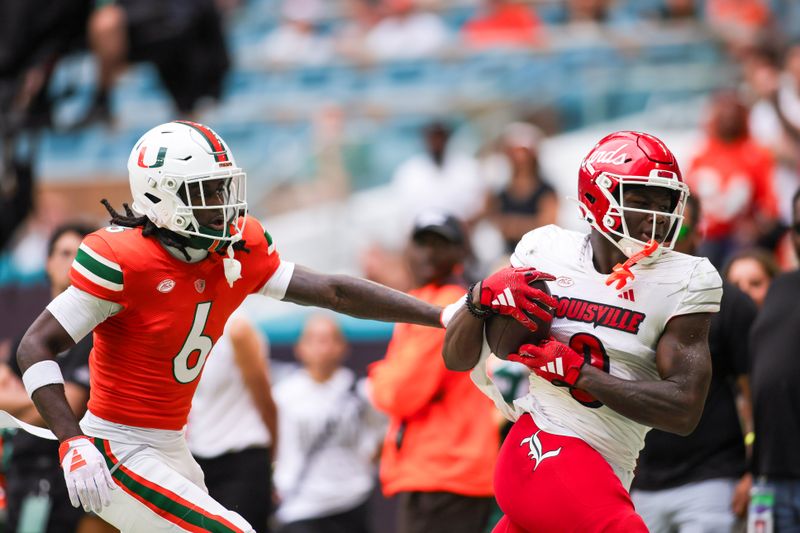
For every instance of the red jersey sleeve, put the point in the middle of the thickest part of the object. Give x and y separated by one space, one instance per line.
97 270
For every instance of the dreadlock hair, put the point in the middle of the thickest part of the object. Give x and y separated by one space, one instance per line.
165 236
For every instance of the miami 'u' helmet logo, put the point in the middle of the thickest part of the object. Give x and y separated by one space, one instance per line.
162 154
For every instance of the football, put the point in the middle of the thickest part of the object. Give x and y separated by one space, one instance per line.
505 334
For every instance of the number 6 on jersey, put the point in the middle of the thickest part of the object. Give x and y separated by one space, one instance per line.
185 367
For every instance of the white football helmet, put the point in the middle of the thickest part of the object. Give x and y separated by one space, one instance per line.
170 157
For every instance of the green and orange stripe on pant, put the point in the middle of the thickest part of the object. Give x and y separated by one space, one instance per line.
163 501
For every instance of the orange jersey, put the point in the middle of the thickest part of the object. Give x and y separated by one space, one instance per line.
148 357
448 439
733 181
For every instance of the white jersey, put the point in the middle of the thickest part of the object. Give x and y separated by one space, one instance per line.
624 327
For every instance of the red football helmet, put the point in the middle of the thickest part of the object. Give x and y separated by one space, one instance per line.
621 159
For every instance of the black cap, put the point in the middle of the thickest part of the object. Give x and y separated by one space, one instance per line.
441 223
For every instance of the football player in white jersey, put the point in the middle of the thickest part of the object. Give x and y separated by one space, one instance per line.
628 348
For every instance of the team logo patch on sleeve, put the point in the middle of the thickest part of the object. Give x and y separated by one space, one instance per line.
97 269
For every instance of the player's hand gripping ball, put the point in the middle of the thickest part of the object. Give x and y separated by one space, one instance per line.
554 361
525 317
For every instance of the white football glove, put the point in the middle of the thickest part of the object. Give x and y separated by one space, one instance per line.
88 479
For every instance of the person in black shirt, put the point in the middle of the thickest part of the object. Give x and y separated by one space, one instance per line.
699 482
36 493
528 201
776 396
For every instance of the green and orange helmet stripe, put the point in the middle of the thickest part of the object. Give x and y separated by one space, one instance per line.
219 150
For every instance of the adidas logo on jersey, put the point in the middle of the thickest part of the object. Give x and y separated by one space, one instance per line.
627 295
505 298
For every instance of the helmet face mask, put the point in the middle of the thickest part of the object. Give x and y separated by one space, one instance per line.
192 187
621 163
616 218
204 215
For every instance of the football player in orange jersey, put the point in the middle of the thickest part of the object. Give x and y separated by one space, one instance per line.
156 288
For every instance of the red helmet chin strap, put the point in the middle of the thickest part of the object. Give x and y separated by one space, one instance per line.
621 273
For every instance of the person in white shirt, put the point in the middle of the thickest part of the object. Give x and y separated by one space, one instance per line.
297 40
439 179
406 33
329 438
233 423
775 122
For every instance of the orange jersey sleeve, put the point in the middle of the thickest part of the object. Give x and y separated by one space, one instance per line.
263 259
97 270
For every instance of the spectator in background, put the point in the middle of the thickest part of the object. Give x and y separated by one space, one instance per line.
732 175
233 423
34 35
16 194
752 271
183 38
740 23
36 494
329 437
406 33
528 201
774 338
677 10
503 24
698 482
362 16
594 21
588 11
775 119
442 443
440 178
297 40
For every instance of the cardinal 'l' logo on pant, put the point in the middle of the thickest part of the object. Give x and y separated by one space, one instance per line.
535 449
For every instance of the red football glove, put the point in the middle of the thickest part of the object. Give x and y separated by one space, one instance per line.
508 292
552 360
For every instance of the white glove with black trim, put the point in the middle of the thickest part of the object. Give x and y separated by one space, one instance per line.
88 479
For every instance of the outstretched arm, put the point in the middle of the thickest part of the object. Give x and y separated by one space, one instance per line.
359 298
675 402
